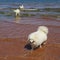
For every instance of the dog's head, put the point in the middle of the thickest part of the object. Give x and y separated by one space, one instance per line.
43 28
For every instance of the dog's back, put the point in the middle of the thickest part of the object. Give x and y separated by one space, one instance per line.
39 36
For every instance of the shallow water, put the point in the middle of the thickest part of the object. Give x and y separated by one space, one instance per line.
6 13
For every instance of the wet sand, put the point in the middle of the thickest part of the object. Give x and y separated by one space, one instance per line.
13 39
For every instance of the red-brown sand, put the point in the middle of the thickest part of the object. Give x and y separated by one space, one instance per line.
13 39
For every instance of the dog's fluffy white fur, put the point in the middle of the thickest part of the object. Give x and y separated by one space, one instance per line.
38 37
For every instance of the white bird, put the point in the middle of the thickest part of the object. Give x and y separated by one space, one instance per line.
17 12
21 7
39 37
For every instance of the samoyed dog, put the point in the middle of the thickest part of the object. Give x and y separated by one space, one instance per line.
39 37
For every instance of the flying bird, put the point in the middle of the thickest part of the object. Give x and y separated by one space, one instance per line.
21 7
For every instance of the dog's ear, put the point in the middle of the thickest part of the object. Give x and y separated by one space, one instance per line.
28 41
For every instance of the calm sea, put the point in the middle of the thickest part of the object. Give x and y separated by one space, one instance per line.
22 1
40 4
30 3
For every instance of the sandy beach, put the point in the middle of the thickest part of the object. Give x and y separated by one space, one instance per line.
13 39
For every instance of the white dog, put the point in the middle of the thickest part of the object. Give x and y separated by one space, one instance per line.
39 37
17 12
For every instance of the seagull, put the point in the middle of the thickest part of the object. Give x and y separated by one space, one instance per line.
38 37
21 7
17 12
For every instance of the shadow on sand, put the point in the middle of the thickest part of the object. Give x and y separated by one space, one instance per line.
29 47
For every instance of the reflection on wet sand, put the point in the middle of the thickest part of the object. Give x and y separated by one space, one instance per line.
17 19
58 17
